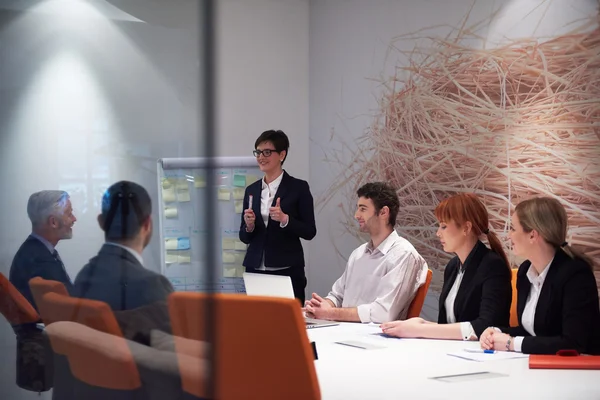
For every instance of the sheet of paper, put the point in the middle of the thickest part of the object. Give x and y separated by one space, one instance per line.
171 212
183 196
499 355
238 193
224 194
199 181
239 206
168 195
229 272
239 180
239 245
240 271
228 244
170 257
166 183
184 257
228 258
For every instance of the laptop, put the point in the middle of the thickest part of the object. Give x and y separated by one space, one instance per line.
278 286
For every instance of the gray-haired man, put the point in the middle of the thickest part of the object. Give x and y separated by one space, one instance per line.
52 219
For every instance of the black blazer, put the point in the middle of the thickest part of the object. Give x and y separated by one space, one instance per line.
281 246
567 315
116 277
34 259
485 293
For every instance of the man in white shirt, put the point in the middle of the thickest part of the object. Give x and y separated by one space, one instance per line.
383 275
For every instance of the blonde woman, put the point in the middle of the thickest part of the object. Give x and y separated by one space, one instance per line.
557 297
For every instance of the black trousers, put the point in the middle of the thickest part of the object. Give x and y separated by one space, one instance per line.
298 280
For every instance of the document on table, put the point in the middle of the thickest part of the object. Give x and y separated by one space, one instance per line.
479 355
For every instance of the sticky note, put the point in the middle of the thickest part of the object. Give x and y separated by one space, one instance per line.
228 258
199 181
183 196
229 272
170 212
182 243
168 195
250 179
184 257
239 180
228 244
224 195
240 271
170 257
181 184
239 206
166 183
239 245
239 258
238 193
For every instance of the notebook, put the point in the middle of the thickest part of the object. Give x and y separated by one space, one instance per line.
569 361
277 286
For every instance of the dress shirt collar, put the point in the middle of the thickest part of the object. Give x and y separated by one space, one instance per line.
44 241
273 185
134 253
384 246
534 278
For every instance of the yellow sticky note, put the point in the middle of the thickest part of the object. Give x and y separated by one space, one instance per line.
229 271
184 257
171 243
170 212
183 196
228 258
238 193
239 258
170 257
168 195
166 183
228 244
239 245
250 179
240 272
199 181
239 206
181 184
224 195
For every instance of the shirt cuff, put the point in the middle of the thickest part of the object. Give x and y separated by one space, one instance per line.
333 300
466 330
518 343
282 225
364 313
250 231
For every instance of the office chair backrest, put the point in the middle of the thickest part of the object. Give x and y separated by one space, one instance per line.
251 334
15 308
39 287
414 310
514 320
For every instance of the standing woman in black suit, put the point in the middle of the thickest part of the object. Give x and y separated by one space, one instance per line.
279 211
557 297
477 288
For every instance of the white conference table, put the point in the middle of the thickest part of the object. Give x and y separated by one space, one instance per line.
403 367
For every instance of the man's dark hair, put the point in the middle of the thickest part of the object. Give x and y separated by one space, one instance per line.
278 138
125 208
381 194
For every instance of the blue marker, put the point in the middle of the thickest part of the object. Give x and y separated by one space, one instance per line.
480 351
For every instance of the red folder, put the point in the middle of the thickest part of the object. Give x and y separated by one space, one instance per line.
564 359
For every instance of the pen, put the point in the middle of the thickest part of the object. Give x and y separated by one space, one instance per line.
351 345
250 202
480 351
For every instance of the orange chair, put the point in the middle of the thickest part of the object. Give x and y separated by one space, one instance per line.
414 310
245 342
39 287
514 320
15 308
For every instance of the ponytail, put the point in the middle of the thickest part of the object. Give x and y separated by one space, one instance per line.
571 252
496 246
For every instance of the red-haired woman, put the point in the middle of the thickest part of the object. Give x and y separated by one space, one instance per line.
477 290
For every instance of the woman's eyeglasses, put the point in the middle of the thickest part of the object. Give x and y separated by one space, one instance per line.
265 152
